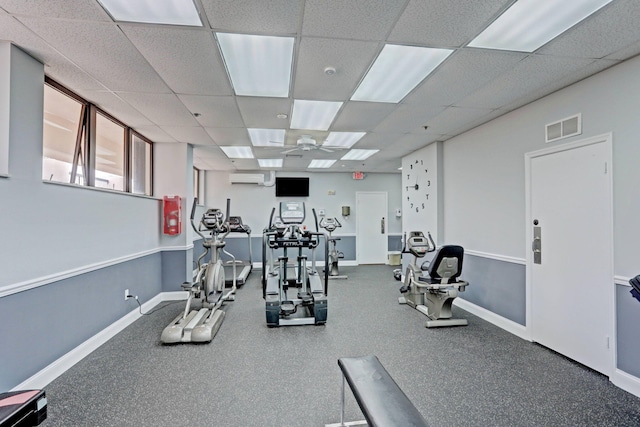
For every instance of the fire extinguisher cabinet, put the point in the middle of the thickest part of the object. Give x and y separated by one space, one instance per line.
172 215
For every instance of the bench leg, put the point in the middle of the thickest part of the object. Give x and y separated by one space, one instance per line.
342 423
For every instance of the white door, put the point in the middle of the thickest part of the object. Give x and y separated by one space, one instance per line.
371 227
571 284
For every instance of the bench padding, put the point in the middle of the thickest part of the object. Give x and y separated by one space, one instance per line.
382 402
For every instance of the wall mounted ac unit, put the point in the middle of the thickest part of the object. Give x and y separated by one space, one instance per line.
246 178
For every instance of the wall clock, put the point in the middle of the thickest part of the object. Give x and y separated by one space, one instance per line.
418 185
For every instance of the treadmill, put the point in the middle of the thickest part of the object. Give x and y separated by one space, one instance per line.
243 267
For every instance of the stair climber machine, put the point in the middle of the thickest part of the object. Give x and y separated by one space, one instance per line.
294 293
243 267
208 287
330 224
433 294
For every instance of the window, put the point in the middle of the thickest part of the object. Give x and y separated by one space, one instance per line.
63 132
198 188
85 146
109 154
140 165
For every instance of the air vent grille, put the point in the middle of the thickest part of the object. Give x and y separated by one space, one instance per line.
564 128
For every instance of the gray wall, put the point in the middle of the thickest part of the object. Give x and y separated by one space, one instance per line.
484 190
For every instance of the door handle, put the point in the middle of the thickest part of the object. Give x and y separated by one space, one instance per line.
536 245
382 226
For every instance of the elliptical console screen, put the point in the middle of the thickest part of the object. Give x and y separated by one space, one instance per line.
292 212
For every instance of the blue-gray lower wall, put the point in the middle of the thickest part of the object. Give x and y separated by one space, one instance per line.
39 325
627 321
497 286
174 271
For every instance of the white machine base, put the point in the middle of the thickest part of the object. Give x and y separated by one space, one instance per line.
350 423
199 326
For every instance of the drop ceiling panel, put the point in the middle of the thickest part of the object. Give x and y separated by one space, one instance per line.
261 112
56 65
531 74
464 72
155 134
408 119
117 107
119 66
595 37
161 109
187 59
627 52
262 17
214 110
189 135
444 23
229 136
353 19
244 164
357 116
79 10
350 58
378 140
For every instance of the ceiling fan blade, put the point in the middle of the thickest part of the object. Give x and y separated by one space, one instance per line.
289 151
325 149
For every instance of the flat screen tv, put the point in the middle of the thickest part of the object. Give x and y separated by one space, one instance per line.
292 187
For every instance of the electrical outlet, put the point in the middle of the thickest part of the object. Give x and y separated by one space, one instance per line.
126 294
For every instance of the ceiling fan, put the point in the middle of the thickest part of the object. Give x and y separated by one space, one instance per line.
307 143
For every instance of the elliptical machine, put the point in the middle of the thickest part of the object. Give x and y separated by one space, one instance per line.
294 294
440 287
330 224
201 325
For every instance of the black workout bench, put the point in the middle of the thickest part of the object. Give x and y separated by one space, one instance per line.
381 401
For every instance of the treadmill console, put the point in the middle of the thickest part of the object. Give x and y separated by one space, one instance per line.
292 212
236 225
213 219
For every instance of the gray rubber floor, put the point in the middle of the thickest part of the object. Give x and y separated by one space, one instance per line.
252 375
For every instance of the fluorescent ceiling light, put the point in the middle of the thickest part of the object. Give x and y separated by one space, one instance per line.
397 71
238 152
314 115
321 163
267 137
358 154
529 24
270 163
174 12
343 139
258 65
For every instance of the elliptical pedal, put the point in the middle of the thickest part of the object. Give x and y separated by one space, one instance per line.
306 298
287 308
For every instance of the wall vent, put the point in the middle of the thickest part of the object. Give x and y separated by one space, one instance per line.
564 128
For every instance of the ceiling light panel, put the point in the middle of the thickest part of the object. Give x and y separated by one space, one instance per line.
321 164
313 115
173 12
358 154
270 163
343 139
397 71
238 152
267 137
529 24
258 65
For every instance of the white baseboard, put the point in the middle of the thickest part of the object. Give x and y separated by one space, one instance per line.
61 365
627 382
506 324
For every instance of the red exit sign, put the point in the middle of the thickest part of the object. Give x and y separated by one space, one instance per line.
358 175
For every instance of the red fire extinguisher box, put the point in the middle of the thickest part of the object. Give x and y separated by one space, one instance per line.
172 215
